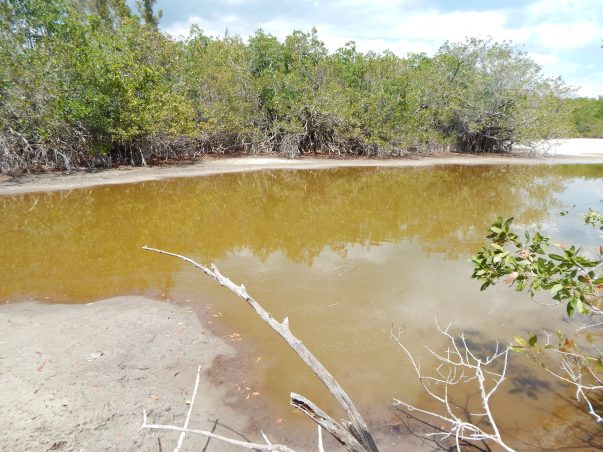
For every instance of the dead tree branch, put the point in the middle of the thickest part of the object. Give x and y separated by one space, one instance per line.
356 425
325 421
459 365
578 371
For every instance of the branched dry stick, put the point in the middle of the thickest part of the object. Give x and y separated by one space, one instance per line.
578 370
245 444
359 438
184 430
575 376
458 366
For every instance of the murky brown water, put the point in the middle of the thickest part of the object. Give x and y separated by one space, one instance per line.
346 254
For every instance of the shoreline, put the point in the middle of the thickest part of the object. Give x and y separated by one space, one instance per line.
32 183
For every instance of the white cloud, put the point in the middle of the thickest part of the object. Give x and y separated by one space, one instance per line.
568 35
437 27
590 85
411 32
180 29
545 59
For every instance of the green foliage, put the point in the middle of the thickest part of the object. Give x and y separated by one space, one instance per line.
498 96
570 278
594 218
536 264
586 116
93 81
88 78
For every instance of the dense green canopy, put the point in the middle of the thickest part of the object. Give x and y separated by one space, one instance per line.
587 117
92 82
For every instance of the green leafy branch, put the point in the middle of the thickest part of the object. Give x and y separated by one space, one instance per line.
536 264
594 218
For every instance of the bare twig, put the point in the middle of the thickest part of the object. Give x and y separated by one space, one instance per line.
577 370
459 365
245 444
320 446
184 430
190 410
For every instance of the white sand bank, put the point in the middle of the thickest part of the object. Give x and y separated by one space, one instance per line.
577 147
568 151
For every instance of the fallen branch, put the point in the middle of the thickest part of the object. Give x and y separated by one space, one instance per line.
356 426
325 421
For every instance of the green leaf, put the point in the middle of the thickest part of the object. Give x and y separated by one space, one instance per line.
582 309
521 284
533 340
556 257
507 223
570 308
556 288
520 340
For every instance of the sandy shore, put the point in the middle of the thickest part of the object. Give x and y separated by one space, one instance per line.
77 377
209 166
576 147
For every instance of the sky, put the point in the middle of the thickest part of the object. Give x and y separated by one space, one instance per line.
563 36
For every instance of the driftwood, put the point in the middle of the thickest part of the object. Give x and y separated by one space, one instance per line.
354 433
323 420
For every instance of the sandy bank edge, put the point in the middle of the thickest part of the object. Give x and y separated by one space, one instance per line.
205 167
77 377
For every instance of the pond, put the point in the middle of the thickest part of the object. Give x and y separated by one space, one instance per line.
348 254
